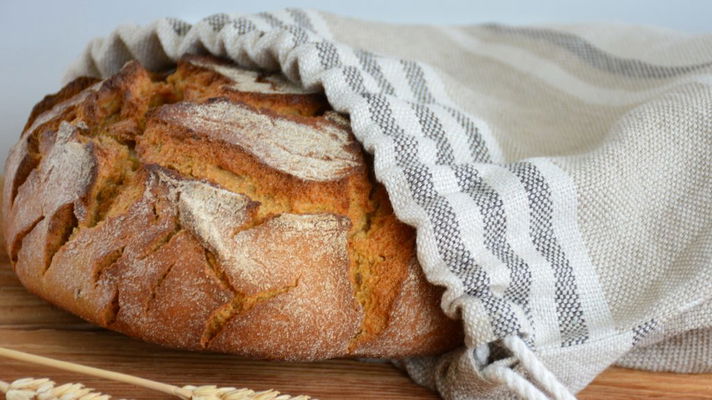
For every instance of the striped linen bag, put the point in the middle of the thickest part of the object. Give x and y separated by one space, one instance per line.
559 177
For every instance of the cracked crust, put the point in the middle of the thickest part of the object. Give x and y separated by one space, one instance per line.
214 208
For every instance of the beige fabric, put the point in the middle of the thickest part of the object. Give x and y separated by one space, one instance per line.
559 178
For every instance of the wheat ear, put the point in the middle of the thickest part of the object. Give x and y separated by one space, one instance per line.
186 392
45 389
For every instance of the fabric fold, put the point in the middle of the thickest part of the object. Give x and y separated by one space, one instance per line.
560 191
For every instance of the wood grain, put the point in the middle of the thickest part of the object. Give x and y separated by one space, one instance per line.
29 324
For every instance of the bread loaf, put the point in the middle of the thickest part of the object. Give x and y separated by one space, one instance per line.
215 208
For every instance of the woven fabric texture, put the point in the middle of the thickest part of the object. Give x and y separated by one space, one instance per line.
559 178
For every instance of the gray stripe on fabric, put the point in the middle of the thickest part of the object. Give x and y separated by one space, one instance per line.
478 148
271 19
328 56
301 18
217 21
569 311
179 27
440 213
243 25
369 64
491 208
355 79
416 80
443 220
494 220
596 57
641 331
433 129
299 34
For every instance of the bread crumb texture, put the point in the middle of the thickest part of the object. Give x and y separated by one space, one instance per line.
215 208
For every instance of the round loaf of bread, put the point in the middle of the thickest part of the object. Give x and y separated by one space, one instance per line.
215 208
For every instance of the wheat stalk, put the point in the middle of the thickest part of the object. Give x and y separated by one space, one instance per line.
44 389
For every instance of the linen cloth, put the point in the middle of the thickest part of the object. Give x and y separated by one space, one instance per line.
559 177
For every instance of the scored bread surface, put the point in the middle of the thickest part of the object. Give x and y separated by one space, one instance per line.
215 208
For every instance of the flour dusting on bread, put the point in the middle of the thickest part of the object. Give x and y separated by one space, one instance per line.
60 107
214 208
245 80
319 152
62 177
212 213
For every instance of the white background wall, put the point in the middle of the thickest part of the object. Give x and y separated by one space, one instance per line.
39 39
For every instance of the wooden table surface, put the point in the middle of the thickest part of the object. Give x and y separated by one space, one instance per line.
29 324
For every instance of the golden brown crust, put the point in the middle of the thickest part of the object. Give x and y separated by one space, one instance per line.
69 91
215 209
